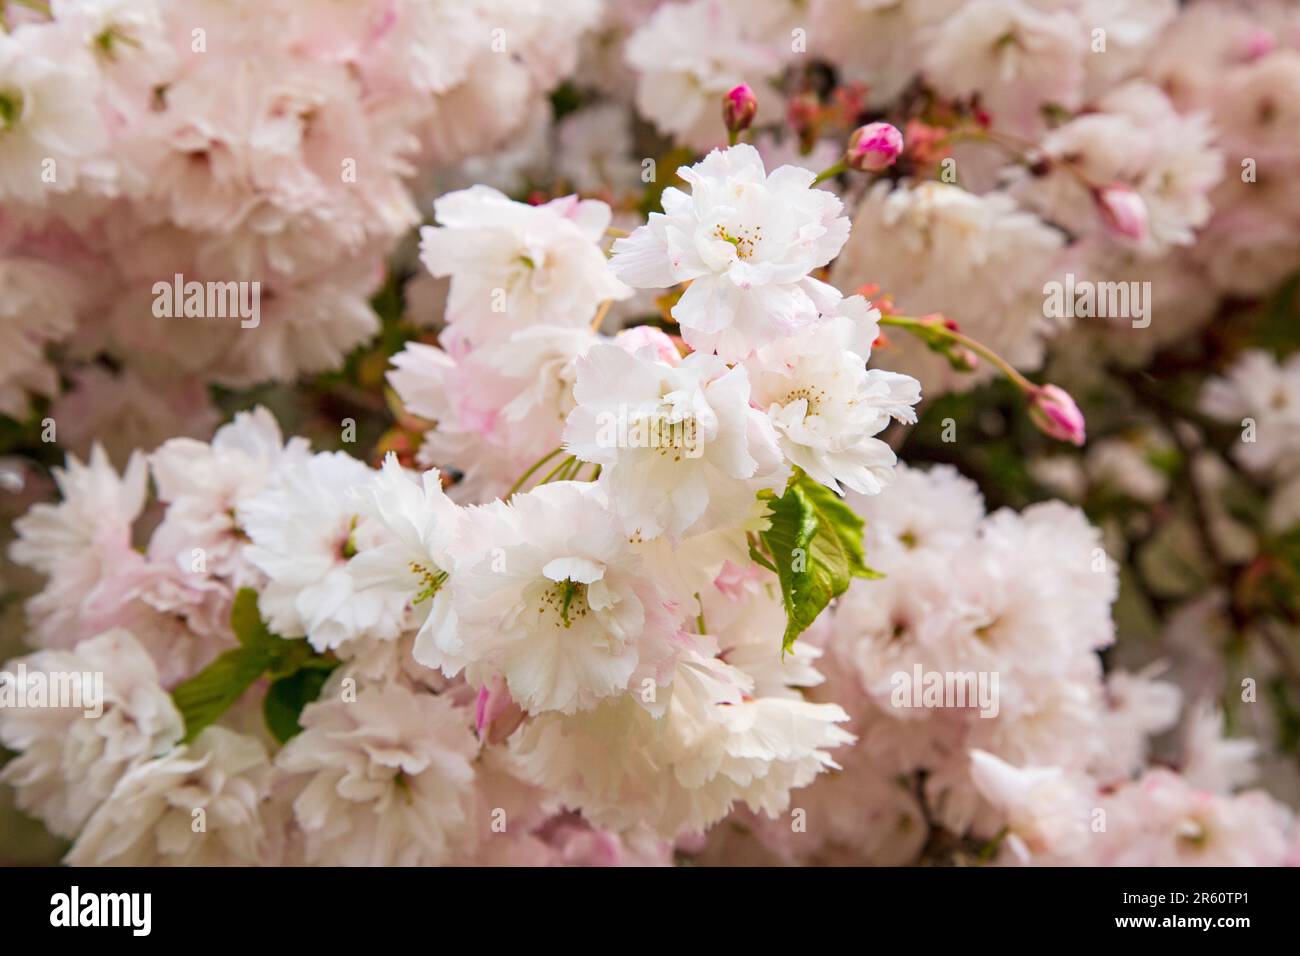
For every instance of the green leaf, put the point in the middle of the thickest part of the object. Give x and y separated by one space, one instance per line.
565 99
212 691
246 621
759 558
787 539
835 516
815 543
284 702
207 695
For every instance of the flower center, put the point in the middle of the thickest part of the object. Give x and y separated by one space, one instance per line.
347 548
1194 834
745 238
11 109
108 39
676 438
431 580
813 396
1008 39
567 601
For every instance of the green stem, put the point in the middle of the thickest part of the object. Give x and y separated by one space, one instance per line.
937 328
989 850
553 474
575 466
832 170
529 473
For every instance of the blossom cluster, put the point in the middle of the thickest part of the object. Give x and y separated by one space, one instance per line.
148 142
600 646
637 304
1046 759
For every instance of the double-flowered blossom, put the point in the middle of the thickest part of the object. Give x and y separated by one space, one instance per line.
69 764
513 265
747 241
149 818
687 56
1045 756
680 446
383 780
496 409
547 592
652 291
306 530
411 566
826 405
141 140
1262 397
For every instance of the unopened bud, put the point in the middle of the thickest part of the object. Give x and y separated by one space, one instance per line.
1123 211
652 341
1259 44
738 108
1055 413
874 147
496 715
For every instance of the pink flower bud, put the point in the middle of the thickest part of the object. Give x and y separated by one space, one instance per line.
1123 211
1259 44
738 108
874 147
496 715
655 343
1054 412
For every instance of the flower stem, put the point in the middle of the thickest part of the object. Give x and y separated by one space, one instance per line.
926 327
601 312
555 473
833 170
1023 149
529 473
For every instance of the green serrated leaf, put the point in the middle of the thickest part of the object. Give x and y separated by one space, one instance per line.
207 695
815 543
787 538
759 558
286 698
835 516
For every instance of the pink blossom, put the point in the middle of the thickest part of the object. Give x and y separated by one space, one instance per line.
1055 413
738 108
1123 211
874 147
